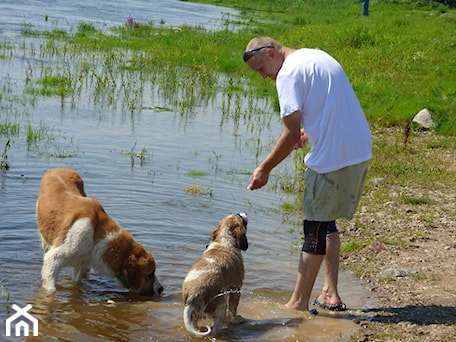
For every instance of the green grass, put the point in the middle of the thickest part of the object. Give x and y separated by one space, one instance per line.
197 190
141 155
4 164
195 173
399 59
416 200
55 85
46 141
9 129
352 247
35 135
4 298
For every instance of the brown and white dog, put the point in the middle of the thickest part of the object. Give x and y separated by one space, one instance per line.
212 286
76 232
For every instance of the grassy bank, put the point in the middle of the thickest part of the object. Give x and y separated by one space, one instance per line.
400 58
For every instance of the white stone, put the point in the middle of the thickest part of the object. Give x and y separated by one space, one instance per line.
424 118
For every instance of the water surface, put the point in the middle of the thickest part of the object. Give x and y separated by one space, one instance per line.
47 14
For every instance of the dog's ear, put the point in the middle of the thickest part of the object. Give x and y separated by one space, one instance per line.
241 242
130 272
213 235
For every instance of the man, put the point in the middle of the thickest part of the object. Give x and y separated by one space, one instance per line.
317 105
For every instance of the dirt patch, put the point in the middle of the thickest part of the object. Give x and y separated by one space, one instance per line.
407 231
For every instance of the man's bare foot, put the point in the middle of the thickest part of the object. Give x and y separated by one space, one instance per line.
297 306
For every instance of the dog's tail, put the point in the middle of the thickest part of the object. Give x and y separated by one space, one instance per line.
188 323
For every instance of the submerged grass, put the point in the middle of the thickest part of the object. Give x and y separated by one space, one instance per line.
197 189
141 155
55 85
46 141
4 165
4 297
195 173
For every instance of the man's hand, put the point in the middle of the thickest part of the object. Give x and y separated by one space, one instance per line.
291 138
259 179
302 141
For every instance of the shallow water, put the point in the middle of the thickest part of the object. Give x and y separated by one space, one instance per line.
42 14
148 198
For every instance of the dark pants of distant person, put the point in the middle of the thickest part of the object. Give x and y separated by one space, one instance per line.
365 7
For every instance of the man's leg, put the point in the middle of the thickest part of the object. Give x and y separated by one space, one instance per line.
313 253
309 265
329 294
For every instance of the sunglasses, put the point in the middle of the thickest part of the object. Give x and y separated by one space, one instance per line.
250 53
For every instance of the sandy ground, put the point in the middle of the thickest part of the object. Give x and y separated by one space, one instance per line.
409 259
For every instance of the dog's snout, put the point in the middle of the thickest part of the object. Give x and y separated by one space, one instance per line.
155 290
158 288
244 218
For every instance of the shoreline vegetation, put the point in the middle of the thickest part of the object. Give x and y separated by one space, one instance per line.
400 59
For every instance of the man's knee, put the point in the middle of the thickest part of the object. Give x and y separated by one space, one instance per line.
315 233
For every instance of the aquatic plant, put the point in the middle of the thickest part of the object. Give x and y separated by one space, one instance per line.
197 189
9 129
48 142
37 134
4 294
142 155
131 22
195 173
86 29
4 165
6 50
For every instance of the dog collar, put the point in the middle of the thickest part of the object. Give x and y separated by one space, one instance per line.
122 280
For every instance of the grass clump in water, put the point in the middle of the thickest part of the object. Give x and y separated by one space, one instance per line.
141 155
198 189
195 173
4 165
46 142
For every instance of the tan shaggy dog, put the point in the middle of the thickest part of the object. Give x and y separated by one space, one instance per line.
76 232
212 286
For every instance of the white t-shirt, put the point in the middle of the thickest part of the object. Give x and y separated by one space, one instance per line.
314 83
